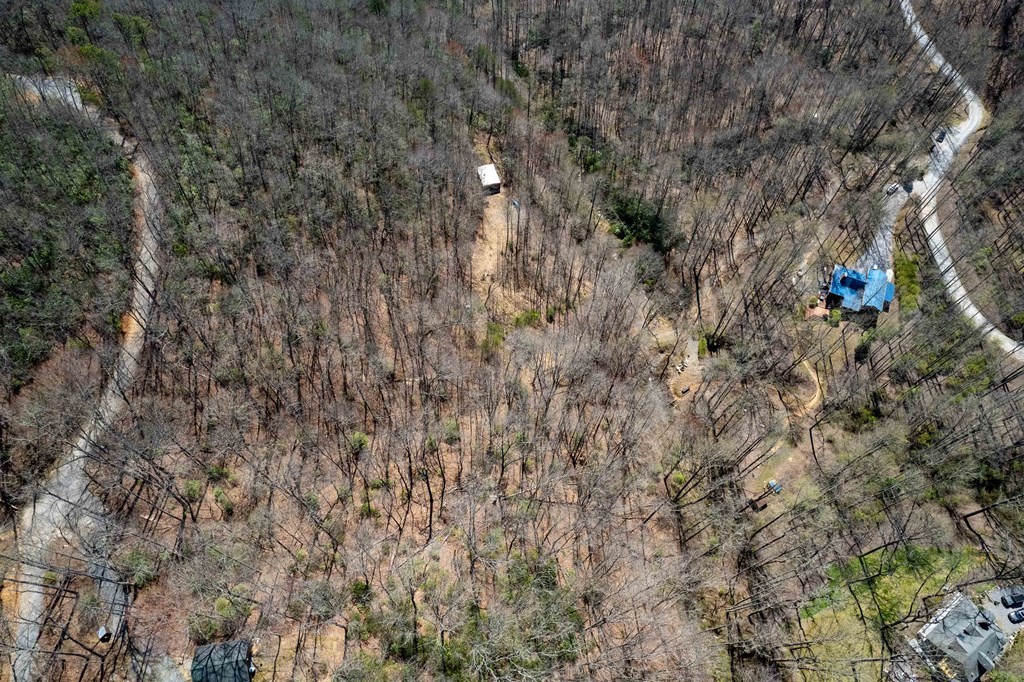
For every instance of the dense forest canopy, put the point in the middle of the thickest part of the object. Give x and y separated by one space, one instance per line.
388 427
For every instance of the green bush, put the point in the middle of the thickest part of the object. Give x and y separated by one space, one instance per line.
139 567
863 349
634 219
361 593
224 502
589 154
974 377
450 431
702 347
483 58
367 511
494 338
217 473
201 629
508 88
225 608
358 441
192 490
134 28
862 417
529 630
231 609
85 9
529 318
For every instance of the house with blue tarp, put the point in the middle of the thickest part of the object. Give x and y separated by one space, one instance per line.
855 290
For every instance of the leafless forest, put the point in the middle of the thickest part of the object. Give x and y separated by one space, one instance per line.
389 428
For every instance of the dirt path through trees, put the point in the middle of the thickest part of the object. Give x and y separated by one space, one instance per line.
65 512
815 400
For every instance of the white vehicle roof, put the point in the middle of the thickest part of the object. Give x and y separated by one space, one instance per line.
488 175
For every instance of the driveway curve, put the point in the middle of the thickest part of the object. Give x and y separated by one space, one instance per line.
927 189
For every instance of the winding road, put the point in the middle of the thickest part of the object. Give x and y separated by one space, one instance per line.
65 511
928 189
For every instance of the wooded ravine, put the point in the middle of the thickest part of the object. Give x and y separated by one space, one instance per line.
274 368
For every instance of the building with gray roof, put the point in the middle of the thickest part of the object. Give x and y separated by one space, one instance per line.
961 642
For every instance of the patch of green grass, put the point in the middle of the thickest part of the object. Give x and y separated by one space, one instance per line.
885 587
821 602
908 283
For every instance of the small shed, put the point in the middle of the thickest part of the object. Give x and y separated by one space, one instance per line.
489 179
223 662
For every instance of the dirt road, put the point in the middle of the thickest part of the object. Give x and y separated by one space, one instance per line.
65 511
927 189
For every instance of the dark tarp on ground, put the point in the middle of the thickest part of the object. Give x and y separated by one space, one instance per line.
224 662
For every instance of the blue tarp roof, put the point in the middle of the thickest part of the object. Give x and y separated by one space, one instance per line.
858 290
879 291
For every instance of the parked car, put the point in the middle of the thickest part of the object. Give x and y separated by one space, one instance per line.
1014 597
892 189
1017 616
941 136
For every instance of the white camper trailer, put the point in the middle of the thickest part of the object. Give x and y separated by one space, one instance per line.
489 179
